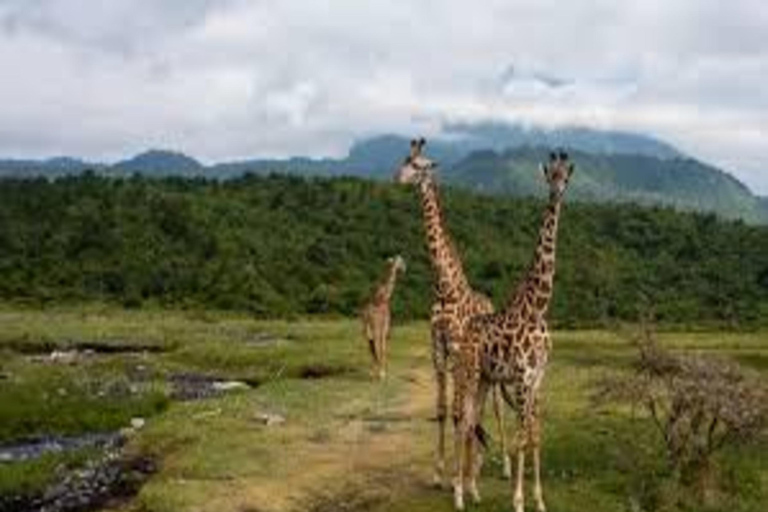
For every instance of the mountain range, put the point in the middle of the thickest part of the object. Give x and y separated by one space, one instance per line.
486 158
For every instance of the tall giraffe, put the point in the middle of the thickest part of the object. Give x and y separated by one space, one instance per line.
512 347
455 301
376 316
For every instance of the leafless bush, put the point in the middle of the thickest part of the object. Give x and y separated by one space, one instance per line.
699 404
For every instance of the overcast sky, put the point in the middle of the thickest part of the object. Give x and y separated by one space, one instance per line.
223 79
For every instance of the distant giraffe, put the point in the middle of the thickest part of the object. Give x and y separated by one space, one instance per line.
376 316
455 301
512 347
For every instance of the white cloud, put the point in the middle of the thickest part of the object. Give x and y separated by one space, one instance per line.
236 78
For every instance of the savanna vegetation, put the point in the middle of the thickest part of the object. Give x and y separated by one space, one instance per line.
287 246
348 442
120 297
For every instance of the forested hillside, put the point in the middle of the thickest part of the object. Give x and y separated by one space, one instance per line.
283 246
680 182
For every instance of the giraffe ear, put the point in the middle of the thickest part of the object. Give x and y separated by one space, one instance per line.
543 169
571 168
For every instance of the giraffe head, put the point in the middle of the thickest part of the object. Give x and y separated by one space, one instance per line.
558 172
416 167
397 263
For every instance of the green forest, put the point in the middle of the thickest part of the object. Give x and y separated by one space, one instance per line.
281 246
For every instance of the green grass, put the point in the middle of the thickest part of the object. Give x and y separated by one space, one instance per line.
33 476
348 442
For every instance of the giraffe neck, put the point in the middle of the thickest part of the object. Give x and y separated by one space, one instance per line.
384 293
445 261
535 291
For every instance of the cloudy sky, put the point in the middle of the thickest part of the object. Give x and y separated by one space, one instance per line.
222 79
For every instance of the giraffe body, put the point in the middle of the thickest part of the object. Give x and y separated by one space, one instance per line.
455 301
376 316
512 348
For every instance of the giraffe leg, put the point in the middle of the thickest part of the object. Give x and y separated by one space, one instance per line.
498 412
474 451
469 464
459 435
463 408
369 333
440 363
535 445
377 332
442 414
521 438
372 347
382 365
383 347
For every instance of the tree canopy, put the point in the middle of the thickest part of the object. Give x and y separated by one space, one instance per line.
283 246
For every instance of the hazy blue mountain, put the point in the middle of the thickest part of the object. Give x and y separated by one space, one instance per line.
159 162
378 156
764 207
295 165
500 137
52 167
375 157
488 158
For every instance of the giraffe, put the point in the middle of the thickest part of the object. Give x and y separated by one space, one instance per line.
455 301
511 347
376 316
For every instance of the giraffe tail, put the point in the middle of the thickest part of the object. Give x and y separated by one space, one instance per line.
482 436
507 396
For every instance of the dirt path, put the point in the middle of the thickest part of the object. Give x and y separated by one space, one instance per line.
370 449
376 455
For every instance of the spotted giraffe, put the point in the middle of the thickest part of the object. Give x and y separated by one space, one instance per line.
455 301
512 347
376 316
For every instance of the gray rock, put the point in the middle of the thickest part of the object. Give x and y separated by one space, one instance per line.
269 419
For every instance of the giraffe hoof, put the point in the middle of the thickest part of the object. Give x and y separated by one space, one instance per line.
458 496
475 493
458 500
519 504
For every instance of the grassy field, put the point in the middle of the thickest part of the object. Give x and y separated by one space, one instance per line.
348 443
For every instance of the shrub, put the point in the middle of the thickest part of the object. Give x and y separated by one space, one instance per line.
698 404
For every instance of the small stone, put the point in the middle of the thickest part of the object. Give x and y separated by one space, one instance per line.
270 419
63 356
229 385
138 423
